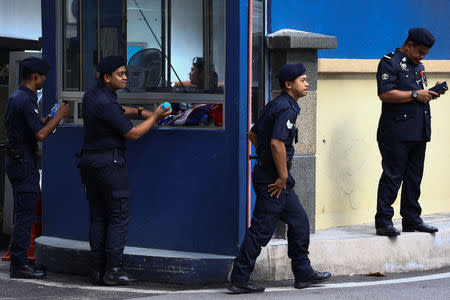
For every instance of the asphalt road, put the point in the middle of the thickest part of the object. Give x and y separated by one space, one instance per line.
433 284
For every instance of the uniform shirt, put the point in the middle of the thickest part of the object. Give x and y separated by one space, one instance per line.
277 121
22 120
104 120
408 121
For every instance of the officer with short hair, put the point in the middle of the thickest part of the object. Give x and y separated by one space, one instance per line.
273 136
104 170
404 129
24 128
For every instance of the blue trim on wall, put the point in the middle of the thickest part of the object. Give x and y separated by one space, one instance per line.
48 11
366 29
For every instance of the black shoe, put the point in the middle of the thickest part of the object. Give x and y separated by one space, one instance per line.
245 287
422 227
26 271
117 276
314 278
389 231
96 275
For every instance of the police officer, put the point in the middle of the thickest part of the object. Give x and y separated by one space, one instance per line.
403 131
273 136
24 128
104 169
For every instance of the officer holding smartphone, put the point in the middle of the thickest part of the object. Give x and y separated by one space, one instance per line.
403 132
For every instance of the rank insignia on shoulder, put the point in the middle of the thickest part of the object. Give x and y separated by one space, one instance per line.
389 55
385 76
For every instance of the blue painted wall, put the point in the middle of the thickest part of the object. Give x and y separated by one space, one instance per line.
365 29
187 186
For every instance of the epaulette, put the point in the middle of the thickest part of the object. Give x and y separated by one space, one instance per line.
389 55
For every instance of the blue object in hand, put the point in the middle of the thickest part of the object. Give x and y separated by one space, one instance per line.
166 105
54 110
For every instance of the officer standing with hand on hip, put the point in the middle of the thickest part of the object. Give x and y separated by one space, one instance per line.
273 136
24 128
403 132
104 169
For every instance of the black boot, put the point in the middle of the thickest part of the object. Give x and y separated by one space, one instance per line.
96 274
422 227
389 231
314 278
117 276
245 287
26 271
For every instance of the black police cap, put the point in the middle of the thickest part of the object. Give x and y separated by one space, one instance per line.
110 63
198 62
421 36
36 64
289 72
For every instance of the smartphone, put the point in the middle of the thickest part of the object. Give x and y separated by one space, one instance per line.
440 88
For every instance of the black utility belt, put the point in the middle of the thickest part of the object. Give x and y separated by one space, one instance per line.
121 152
270 165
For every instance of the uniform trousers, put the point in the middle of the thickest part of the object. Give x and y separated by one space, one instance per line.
24 175
266 214
106 179
402 164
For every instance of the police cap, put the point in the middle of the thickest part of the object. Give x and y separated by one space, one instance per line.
289 72
109 63
36 65
198 62
421 36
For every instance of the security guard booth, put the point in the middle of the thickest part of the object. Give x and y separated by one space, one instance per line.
187 182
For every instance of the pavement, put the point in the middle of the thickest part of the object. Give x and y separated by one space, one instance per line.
349 250
357 250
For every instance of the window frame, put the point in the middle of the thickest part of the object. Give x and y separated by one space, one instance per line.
74 98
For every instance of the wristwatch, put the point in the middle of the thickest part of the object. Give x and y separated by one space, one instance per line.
414 96
139 113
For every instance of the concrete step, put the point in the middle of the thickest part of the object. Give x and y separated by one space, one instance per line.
357 250
157 265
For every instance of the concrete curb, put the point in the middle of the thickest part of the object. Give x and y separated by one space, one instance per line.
357 250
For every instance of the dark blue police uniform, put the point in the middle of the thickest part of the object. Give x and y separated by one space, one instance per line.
22 122
277 121
403 131
104 172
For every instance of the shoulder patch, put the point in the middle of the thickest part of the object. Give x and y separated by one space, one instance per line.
289 125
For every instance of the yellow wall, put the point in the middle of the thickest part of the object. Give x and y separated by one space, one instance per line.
348 160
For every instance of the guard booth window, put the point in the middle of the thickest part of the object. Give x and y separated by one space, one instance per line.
175 52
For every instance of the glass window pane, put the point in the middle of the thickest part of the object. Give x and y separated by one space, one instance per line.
71 44
111 28
166 44
258 59
89 19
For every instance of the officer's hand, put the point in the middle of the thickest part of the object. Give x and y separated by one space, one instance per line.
63 110
162 113
277 187
46 118
424 95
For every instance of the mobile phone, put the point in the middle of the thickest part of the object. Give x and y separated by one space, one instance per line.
440 88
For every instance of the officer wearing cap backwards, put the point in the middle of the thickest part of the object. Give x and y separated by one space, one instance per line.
104 170
24 128
273 136
403 131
